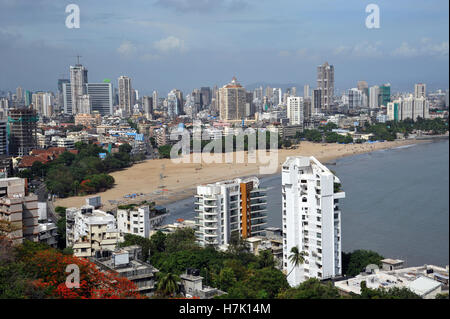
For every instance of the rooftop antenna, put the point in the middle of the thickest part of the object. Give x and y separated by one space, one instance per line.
78 58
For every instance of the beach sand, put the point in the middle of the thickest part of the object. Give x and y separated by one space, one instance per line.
164 181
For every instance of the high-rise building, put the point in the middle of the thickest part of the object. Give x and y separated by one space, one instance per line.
364 88
206 96
173 105
354 98
147 105
101 96
311 219
22 131
408 108
325 83
155 100
180 99
3 139
306 90
126 94
85 104
316 103
236 207
420 90
385 95
374 93
28 98
295 110
19 94
232 100
78 80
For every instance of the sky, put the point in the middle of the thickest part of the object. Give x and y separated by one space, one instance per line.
186 44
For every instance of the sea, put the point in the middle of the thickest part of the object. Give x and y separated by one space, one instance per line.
397 202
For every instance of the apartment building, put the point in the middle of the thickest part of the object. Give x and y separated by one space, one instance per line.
233 206
139 221
311 219
89 231
20 209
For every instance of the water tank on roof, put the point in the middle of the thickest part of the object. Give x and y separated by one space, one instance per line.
195 272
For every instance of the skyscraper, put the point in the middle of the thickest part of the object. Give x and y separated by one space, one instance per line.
230 207
420 90
374 93
325 83
22 130
232 100
147 105
295 110
311 219
78 80
172 105
206 96
364 88
306 90
126 101
100 94
155 100
385 95
316 103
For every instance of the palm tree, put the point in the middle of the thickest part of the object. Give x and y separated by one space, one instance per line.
297 258
168 284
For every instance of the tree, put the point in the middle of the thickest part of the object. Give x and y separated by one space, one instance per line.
168 284
158 242
355 262
296 258
381 293
125 148
181 239
311 289
265 259
226 279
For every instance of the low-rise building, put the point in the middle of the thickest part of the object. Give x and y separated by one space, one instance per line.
125 263
89 231
139 221
192 286
426 281
20 209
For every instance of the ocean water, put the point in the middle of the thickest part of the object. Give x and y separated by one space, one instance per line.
396 203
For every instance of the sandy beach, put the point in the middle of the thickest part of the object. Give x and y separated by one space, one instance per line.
164 181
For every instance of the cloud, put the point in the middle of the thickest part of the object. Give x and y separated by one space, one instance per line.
202 5
170 43
284 53
150 57
363 49
426 47
126 49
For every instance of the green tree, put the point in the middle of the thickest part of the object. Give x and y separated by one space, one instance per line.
356 262
297 258
227 279
168 285
311 289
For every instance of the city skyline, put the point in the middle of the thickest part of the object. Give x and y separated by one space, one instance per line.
179 52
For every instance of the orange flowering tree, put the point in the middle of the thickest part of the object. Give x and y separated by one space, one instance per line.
49 266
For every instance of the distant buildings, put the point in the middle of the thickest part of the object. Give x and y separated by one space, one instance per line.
229 207
384 95
232 101
22 130
408 108
78 80
311 219
325 83
126 95
295 110
374 93
420 90
100 95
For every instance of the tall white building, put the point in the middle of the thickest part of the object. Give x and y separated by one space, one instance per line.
325 83
374 92
138 221
234 206
311 219
408 108
78 80
295 110
420 90
126 94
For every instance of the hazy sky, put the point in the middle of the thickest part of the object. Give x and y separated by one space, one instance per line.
165 44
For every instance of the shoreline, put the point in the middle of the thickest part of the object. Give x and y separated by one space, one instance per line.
162 184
